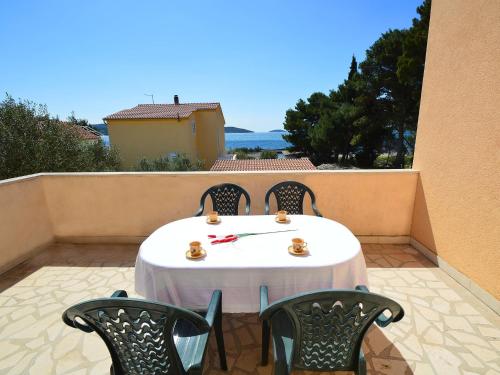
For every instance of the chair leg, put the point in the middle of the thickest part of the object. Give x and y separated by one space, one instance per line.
265 342
280 368
361 364
220 338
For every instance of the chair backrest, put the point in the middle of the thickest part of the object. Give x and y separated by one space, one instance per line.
328 326
225 199
290 197
138 334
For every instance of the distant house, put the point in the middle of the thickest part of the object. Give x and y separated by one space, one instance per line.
85 133
153 131
302 164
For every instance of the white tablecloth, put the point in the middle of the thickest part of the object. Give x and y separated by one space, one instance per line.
163 273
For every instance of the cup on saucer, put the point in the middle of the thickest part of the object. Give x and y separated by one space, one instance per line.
281 216
298 245
213 217
195 248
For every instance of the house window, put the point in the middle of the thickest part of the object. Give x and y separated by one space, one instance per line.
193 127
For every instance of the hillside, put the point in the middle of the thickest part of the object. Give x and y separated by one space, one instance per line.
101 128
234 129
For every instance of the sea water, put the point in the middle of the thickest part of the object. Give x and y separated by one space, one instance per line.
264 140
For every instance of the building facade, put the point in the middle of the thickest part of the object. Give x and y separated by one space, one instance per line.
154 131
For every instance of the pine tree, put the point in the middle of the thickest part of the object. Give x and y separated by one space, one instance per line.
353 70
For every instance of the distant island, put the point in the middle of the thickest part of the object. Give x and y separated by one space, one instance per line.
101 128
277 131
234 129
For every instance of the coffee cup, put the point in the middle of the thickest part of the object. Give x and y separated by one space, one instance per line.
298 245
281 215
213 216
195 248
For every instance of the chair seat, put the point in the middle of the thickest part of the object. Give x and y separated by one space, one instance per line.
322 330
189 345
146 337
283 339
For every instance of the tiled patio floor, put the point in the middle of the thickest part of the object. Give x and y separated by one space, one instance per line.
446 330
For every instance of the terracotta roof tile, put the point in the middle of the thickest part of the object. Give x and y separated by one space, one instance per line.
263 165
145 111
85 133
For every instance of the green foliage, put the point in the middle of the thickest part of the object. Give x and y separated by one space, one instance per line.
77 121
178 164
301 120
243 155
101 158
32 142
245 149
268 154
374 111
387 160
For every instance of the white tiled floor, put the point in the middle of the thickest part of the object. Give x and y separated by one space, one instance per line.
446 330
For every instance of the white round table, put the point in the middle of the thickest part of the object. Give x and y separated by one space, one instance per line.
163 273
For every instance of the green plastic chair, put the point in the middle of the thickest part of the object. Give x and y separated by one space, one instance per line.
145 337
290 197
322 330
225 199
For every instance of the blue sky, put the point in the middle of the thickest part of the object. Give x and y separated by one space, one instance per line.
256 58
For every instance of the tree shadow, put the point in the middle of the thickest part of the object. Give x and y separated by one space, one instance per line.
72 255
394 256
382 356
243 347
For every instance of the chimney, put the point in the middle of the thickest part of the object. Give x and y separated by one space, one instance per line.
176 99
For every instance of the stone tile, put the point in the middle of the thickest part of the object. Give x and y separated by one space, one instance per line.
442 359
36 343
444 330
441 305
477 319
22 366
449 295
10 361
457 322
424 369
94 349
391 366
471 360
467 338
433 336
482 353
43 364
489 332
7 348
244 336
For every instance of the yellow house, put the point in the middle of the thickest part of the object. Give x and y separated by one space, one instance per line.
153 131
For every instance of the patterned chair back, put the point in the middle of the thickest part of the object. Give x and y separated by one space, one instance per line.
139 334
328 327
290 197
225 199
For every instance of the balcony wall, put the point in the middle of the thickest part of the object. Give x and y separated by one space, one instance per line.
124 207
25 224
457 205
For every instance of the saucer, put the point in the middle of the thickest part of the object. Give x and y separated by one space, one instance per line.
303 253
213 222
282 221
201 255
